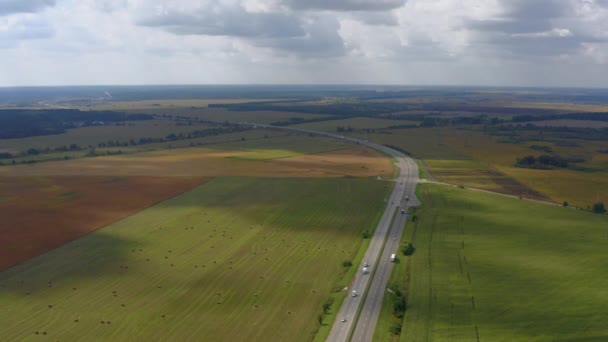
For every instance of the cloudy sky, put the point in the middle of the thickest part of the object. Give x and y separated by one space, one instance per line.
427 42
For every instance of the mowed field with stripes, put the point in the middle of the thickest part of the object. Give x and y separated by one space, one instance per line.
490 268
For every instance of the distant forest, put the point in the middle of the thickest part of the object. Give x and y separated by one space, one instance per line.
21 123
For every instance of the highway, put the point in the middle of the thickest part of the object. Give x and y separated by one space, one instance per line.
370 287
368 317
364 324
359 314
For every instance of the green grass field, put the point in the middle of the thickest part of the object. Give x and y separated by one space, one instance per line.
491 268
234 259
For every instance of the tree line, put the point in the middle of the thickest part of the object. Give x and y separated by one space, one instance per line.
547 162
21 123
116 143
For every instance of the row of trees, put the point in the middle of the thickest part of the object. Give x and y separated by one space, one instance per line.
595 116
544 161
344 129
115 143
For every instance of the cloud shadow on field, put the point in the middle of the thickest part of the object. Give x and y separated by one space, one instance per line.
94 255
333 206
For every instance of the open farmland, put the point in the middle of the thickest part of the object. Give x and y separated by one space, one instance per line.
422 143
94 135
209 162
444 152
567 123
168 103
478 160
475 174
222 114
41 213
283 146
580 187
354 123
490 268
252 136
47 204
562 106
235 259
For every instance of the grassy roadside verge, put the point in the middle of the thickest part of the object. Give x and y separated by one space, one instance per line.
422 172
389 324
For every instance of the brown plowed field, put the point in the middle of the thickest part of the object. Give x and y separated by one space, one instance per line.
41 213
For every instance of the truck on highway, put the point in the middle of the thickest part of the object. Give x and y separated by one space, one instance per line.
393 257
365 270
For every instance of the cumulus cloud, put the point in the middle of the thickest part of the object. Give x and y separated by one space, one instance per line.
556 32
23 6
550 28
376 18
336 41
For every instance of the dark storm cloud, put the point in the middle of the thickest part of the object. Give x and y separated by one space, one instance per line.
23 6
345 5
234 22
